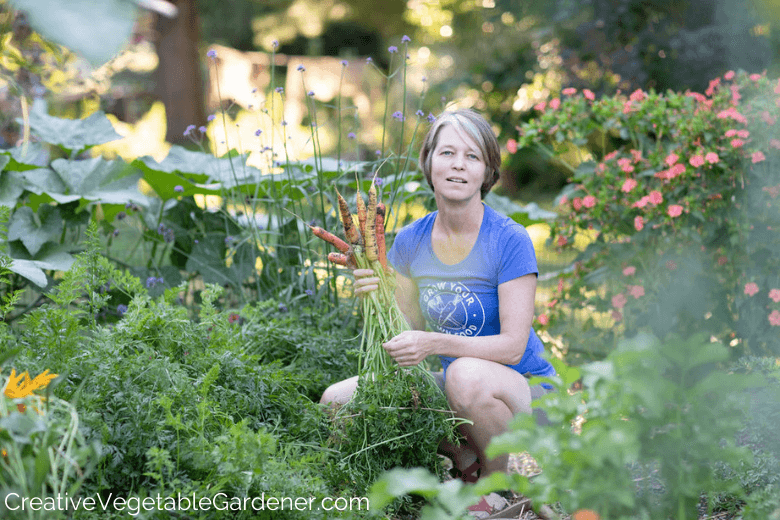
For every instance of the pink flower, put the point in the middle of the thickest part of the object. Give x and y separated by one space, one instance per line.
777 87
641 203
628 185
712 157
629 271
675 210
619 301
637 95
774 295
674 171
656 197
751 288
755 77
639 223
696 160
736 143
589 201
577 203
731 133
589 94
671 159
744 134
758 157
562 241
637 291
774 318
540 106
722 260
569 91
637 155
543 319
511 146
610 156
616 315
767 118
729 75
555 103
774 143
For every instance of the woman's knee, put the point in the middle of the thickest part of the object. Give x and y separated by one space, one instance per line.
466 382
341 392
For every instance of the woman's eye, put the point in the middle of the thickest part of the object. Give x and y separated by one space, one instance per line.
473 156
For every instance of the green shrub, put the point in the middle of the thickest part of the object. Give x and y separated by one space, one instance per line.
677 195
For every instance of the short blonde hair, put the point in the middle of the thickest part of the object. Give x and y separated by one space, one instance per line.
478 129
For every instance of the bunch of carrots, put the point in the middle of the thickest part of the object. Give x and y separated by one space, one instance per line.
365 248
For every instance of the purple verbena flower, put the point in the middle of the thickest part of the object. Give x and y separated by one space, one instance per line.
160 229
378 153
351 135
279 90
116 232
275 43
369 59
212 54
431 118
151 282
282 307
178 188
378 181
211 118
121 309
189 130
405 39
420 113
309 292
311 93
202 129
121 215
398 115
169 236
258 132
344 63
301 68
392 49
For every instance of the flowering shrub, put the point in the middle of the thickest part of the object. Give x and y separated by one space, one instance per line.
679 199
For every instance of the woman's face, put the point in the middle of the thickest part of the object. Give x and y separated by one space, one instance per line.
457 166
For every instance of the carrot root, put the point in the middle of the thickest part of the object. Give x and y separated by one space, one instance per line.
380 235
329 237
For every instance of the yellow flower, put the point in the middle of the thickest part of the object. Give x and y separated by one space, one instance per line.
22 386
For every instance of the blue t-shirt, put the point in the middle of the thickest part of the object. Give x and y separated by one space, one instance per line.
462 299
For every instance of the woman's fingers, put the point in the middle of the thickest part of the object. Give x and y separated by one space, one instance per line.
365 281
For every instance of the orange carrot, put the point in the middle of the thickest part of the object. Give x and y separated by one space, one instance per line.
341 259
369 237
353 237
380 235
329 237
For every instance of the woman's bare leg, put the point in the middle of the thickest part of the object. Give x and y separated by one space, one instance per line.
340 393
488 394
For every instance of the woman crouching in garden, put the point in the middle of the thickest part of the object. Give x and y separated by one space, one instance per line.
466 282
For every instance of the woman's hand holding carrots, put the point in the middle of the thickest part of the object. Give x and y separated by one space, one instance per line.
365 281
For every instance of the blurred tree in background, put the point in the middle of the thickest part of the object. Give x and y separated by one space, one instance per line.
499 56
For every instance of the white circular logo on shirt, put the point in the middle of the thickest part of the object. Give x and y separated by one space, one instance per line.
451 308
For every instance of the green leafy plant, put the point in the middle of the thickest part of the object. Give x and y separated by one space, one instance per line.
676 196
662 410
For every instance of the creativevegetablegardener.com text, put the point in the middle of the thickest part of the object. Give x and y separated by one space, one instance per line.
218 502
